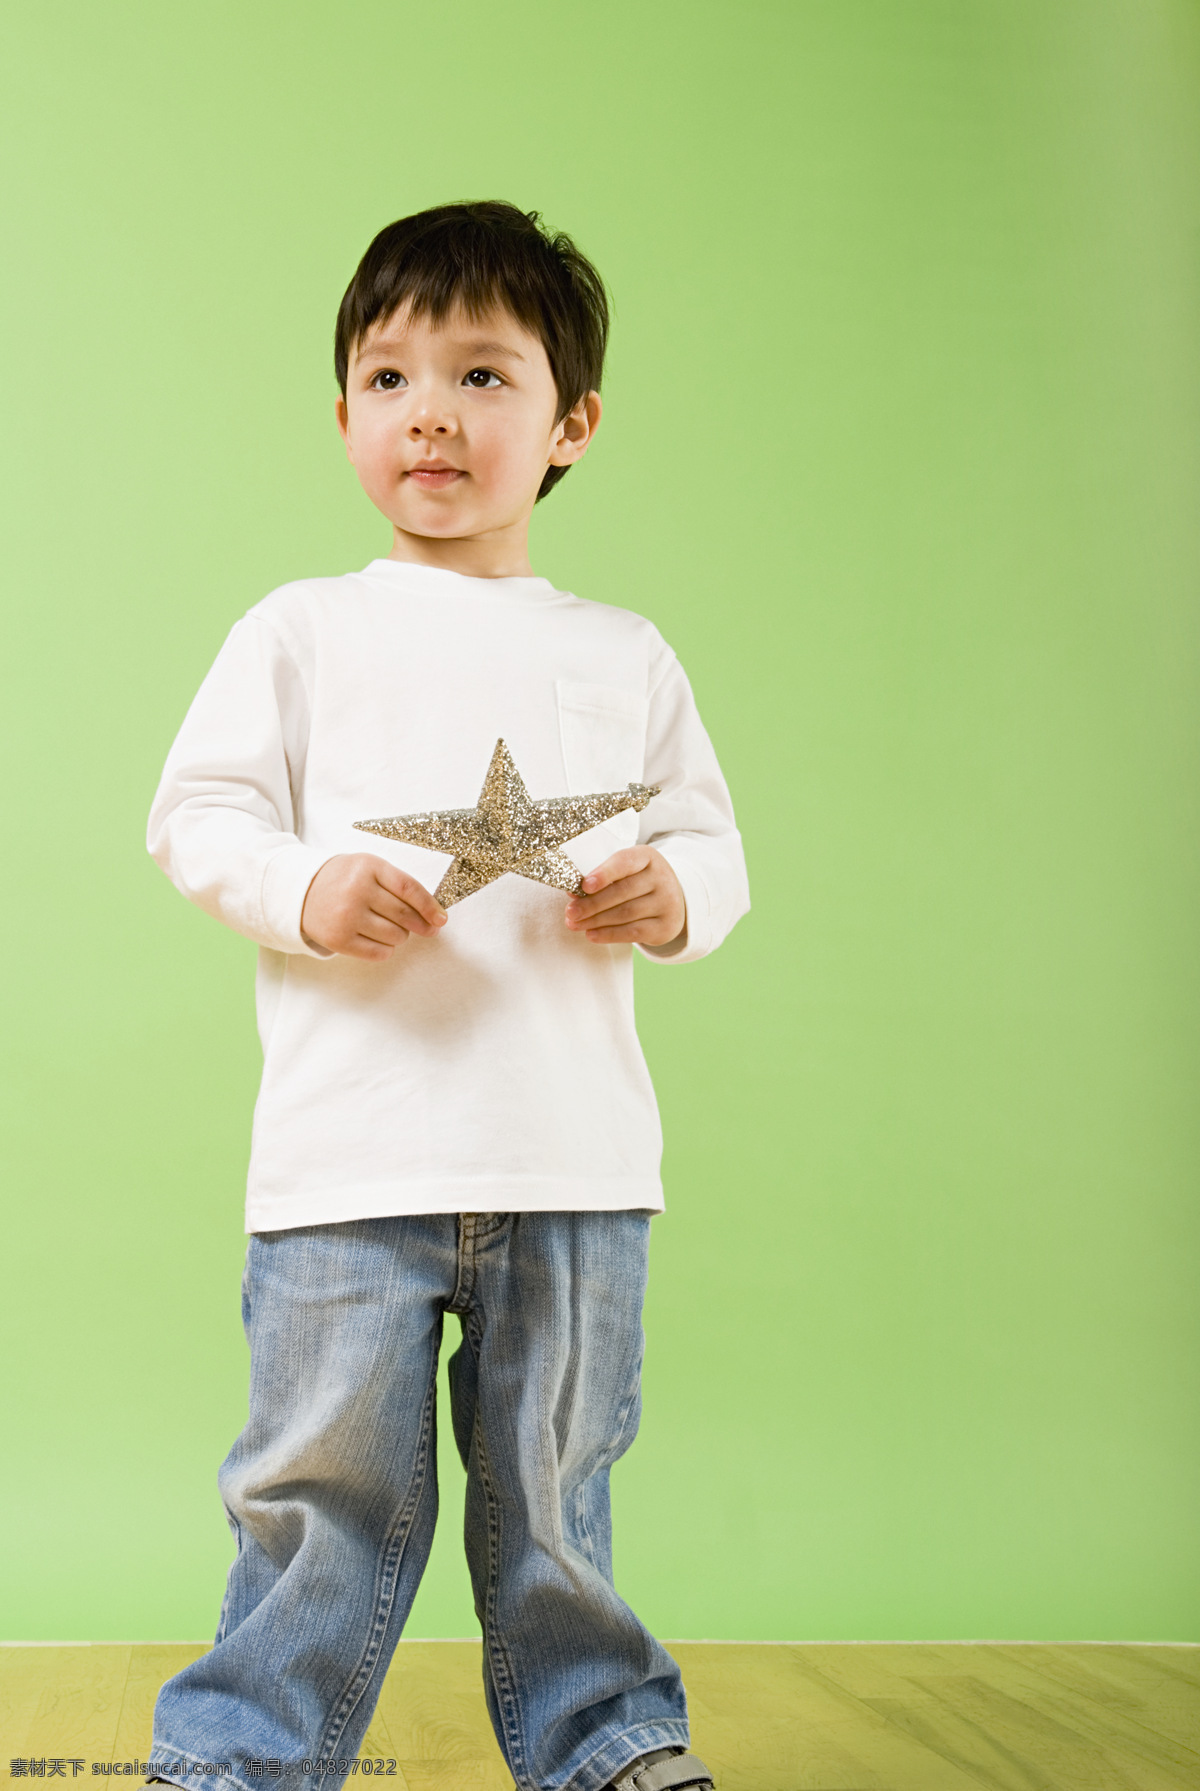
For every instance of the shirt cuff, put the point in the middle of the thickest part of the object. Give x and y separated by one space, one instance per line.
697 936
281 899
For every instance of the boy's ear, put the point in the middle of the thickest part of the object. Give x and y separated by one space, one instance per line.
573 435
343 422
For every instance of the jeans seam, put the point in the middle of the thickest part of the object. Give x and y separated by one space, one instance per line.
581 1526
487 1225
223 1619
389 1576
614 1452
464 1284
652 1731
504 1678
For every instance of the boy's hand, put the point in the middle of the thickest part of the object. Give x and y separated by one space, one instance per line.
364 907
633 897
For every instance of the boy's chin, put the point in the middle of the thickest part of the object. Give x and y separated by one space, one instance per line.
436 525
450 527
449 533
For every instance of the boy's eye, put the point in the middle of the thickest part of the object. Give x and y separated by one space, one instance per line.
387 379
481 378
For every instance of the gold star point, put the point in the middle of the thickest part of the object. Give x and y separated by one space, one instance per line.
508 831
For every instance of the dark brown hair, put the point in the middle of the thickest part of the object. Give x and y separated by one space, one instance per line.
476 255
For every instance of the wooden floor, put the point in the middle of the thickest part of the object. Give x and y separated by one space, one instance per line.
828 1717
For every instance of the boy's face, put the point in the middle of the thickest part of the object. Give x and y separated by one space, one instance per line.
451 426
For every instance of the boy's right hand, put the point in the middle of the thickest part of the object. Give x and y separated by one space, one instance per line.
364 907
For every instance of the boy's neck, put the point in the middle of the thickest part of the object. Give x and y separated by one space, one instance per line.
502 553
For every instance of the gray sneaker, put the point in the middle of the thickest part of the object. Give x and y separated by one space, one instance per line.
666 1769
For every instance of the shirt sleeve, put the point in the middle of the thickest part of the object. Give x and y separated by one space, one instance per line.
691 823
224 825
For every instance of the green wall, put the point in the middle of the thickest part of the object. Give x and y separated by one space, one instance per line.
901 454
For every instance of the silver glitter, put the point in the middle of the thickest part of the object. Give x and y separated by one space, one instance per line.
508 831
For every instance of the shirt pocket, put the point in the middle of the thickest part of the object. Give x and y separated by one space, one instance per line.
602 729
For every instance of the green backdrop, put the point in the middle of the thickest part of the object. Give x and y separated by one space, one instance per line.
901 454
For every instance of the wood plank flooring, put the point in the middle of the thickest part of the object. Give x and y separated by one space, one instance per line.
806 1717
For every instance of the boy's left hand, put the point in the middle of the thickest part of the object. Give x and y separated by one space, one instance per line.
633 897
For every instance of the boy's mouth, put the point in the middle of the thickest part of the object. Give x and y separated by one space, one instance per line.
432 475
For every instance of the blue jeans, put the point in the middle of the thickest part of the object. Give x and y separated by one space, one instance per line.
331 1492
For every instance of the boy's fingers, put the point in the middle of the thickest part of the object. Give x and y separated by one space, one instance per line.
392 910
638 933
622 890
381 901
382 931
642 908
621 864
407 889
360 947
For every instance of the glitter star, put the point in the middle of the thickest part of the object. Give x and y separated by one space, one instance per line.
508 831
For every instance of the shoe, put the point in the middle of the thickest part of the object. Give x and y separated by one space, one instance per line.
666 1769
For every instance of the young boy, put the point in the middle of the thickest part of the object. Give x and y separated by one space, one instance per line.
455 1115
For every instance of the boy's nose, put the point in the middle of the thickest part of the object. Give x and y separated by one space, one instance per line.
430 421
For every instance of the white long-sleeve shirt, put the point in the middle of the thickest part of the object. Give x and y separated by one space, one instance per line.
495 1067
